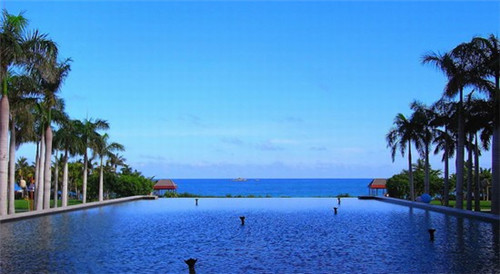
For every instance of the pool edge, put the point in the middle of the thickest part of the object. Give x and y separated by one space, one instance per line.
33 214
442 209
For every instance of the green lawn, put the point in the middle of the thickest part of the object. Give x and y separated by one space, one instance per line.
485 205
22 205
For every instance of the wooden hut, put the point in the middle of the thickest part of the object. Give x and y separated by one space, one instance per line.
376 185
162 186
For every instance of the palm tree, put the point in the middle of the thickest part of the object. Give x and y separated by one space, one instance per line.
22 88
75 171
88 134
402 134
103 149
67 139
422 116
42 198
50 87
454 66
478 117
489 50
23 169
115 160
57 163
21 50
11 53
40 152
444 139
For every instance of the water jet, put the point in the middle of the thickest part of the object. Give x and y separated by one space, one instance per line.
431 233
191 262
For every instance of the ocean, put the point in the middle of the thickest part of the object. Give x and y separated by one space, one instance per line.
274 187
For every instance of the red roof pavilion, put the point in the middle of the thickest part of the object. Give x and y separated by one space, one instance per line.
165 184
377 184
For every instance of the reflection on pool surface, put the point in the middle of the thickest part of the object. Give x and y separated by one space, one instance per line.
280 235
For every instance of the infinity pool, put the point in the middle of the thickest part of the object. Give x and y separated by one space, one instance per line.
280 235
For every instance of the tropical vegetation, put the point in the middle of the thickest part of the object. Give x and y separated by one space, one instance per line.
464 122
32 75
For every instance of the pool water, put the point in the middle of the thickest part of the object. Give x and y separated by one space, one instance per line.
280 235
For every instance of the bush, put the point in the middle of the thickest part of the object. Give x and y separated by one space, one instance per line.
398 186
170 194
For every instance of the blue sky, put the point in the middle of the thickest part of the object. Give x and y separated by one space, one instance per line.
266 89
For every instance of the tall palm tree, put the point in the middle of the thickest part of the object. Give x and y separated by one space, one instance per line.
67 139
58 71
42 197
478 118
18 49
11 53
399 137
454 67
422 116
22 89
38 112
444 138
57 163
103 148
489 50
88 132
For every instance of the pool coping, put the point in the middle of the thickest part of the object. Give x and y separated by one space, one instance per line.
33 214
443 209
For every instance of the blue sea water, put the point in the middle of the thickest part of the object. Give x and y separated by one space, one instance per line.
274 187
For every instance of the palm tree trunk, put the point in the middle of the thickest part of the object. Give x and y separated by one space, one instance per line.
101 183
4 132
495 159
446 176
12 167
37 173
56 183
47 173
477 202
495 184
412 188
84 190
427 177
459 161
65 180
469 173
41 165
